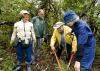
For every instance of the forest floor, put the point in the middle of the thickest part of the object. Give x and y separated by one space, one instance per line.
46 61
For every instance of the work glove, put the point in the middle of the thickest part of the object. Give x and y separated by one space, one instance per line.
52 48
77 66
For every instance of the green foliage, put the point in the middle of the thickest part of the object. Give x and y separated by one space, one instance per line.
5 35
54 10
8 62
10 9
64 67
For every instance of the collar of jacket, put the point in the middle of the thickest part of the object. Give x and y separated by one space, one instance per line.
42 18
24 22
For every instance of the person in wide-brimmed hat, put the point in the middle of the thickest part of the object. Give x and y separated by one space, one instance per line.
24 37
63 37
85 41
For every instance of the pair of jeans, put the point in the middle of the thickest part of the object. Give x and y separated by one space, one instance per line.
24 52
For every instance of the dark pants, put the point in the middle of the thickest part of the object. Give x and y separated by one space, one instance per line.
36 51
39 42
22 51
68 50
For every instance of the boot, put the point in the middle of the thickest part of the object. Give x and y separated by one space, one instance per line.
33 62
28 67
33 59
17 68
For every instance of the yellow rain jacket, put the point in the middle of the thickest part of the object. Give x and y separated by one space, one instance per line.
69 38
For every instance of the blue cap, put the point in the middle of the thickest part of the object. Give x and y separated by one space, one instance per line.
69 16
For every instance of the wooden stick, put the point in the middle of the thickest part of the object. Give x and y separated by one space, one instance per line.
57 60
72 55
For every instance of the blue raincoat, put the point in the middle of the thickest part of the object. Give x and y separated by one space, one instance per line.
87 44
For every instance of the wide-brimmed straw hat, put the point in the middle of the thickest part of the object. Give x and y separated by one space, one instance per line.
58 25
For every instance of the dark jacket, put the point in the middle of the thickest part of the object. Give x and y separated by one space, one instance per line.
40 26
